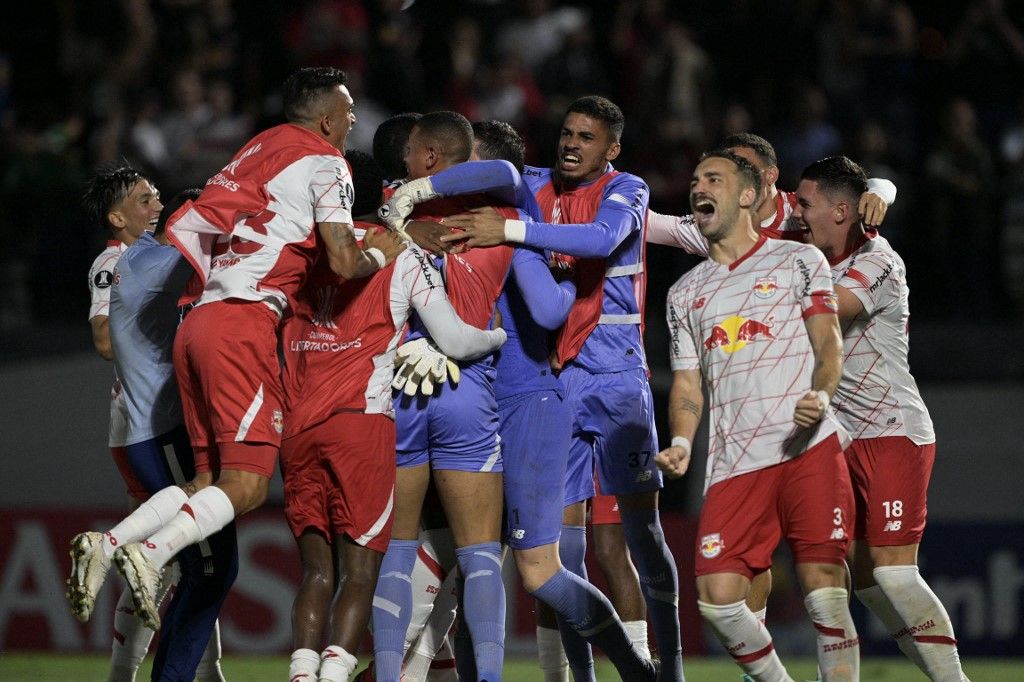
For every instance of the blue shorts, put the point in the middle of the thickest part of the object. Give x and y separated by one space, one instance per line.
613 431
535 431
455 429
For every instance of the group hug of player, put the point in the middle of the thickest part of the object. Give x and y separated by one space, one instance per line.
443 350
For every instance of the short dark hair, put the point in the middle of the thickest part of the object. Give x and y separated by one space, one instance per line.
499 140
305 87
109 185
389 143
762 147
746 169
603 109
368 180
451 131
173 205
838 175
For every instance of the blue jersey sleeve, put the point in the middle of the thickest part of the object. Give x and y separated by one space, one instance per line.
622 211
548 301
500 179
164 269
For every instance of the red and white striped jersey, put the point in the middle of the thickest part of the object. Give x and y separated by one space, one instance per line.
339 344
877 395
263 208
743 326
101 278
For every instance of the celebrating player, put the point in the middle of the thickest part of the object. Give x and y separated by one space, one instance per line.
757 323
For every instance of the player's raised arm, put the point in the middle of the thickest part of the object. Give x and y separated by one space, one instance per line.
677 231
622 211
876 201
350 261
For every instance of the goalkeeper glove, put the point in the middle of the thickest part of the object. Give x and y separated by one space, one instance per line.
421 366
404 200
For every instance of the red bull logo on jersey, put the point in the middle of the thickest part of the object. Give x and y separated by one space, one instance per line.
711 545
735 332
277 421
765 287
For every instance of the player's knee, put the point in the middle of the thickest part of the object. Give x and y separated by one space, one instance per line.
535 568
361 572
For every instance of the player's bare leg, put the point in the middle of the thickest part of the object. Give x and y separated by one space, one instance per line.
889 583
656 567
234 493
827 602
350 613
613 558
310 608
760 588
473 502
721 598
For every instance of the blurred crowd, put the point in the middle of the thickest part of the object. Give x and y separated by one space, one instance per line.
929 95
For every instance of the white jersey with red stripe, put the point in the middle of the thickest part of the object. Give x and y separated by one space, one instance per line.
339 345
743 326
101 278
264 207
682 231
877 395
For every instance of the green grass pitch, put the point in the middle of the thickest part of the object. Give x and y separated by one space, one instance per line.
58 668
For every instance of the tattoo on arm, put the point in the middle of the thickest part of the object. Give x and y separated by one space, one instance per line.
341 235
687 405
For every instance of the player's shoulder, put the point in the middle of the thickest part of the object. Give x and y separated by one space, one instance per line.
536 177
787 248
628 189
687 284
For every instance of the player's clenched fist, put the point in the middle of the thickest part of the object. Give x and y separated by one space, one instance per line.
675 459
387 243
811 408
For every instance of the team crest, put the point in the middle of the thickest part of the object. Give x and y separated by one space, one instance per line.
711 545
277 421
765 287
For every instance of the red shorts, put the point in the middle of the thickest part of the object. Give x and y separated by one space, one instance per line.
808 500
131 481
225 360
604 509
890 489
339 478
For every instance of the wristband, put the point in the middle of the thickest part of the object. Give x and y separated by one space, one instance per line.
824 399
681 442
377 255
515 231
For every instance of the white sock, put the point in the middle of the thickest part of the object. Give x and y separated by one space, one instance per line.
761 615
427 586
201 516
874 598
838 646
131 641
926 620
746 639
553 662
209 665
304 666
442 668
149 517
636 630
336 664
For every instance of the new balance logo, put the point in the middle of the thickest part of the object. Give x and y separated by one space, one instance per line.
644 476
838 534
891 526
518 533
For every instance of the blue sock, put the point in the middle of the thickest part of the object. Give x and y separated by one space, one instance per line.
484 602
572 550
392 608
591 615
660 584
